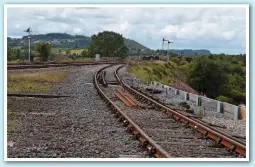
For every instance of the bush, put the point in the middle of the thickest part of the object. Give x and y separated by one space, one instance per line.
16 61
238 97
224 99
43 50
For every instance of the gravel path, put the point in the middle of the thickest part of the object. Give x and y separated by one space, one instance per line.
78 126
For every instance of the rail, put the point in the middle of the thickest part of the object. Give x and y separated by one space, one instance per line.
153 148
216 135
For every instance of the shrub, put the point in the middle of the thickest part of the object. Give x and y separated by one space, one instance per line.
224 99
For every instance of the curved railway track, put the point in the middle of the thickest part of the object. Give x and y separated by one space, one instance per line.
164 132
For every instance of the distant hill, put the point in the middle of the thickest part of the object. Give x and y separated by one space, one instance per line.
63 40
190 52
133 44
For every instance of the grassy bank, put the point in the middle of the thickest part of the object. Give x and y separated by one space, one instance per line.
216 76
33 82
172 73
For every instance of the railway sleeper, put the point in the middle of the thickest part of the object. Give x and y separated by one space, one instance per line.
195 128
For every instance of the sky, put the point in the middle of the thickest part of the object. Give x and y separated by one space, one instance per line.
220 29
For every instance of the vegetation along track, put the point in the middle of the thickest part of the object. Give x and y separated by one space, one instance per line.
162 131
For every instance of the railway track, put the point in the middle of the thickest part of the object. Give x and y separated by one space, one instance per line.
52 64
164 132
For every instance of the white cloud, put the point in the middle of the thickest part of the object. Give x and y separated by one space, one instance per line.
229 35
207 28
77 30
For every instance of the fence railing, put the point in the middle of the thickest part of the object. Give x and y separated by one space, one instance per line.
220 108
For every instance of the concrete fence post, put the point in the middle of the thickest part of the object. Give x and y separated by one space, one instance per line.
242 112
219 107
198 101
186 96
200 108
236 113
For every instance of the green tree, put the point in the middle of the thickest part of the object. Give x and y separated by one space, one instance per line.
108 44
235 87
43 51
218 76
207 76
18 54
52 57
224 99
13 54
10 54
85 53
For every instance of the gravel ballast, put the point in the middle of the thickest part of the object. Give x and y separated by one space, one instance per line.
175 138
233 127
80 126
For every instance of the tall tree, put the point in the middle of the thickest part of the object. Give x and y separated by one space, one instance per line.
18 54
43 51
10 54
207 76
13 54
218 76
108 44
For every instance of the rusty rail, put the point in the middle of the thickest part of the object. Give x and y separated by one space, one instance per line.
127 98
216 135
123 99
153 148
102 78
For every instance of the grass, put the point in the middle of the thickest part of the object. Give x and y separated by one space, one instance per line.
56 50
77 60
165 72
151 71
76 51
33 82
63 51
18 61
172 73
24 87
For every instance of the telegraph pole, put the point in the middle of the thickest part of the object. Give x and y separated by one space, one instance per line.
29 37
163 44
168 46
163 41
29 48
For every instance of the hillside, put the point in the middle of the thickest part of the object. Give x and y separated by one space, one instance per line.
190 51
63 40
133 44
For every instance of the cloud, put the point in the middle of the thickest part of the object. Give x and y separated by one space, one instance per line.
192 27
